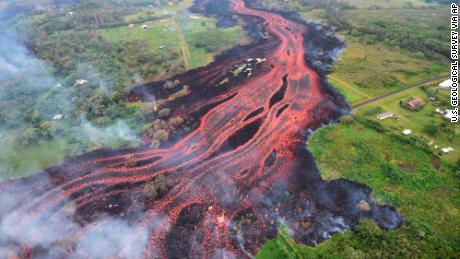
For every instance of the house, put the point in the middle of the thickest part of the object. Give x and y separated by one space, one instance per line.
81 82
406 132
446 85
385 115
447 150
448 114
440 111
58 116
414 103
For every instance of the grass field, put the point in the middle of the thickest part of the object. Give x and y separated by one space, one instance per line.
28 159
417 121
376 69
176 36
351 92
388 4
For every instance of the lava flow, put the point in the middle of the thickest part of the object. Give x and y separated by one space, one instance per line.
227 186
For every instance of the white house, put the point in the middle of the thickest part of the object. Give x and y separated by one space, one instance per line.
58 116
81 82
407 132
447 150
448 114
385 115
446 85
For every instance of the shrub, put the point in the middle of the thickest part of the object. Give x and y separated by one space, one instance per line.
164 112
431 129
157 187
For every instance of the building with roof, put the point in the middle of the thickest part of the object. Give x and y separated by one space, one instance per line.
414 103
406 132
385 115
446 85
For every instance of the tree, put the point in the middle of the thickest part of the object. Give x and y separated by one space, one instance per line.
158 186
164 112
47 129
431 129
30 136
131 161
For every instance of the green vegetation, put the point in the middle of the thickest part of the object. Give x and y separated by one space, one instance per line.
423 188
386 69
396 43
427 125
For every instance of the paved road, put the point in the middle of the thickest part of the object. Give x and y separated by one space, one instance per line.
400 90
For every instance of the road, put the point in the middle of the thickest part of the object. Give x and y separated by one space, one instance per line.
184 47
399 91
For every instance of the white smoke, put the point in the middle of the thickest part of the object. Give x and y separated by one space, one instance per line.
105 136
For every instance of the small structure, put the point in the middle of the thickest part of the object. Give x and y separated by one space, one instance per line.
194 17
440 111
446 85
145 26
131 26
260 60
69 14
406 132
447 150
385 115
81 82
414 103
58 116
448 114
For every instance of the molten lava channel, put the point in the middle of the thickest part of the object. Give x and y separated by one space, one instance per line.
232 182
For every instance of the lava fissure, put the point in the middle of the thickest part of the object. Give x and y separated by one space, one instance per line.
224 188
